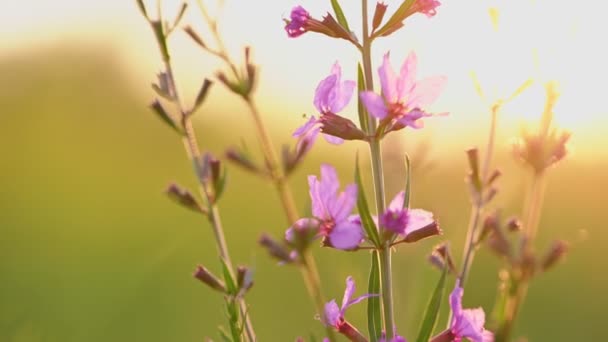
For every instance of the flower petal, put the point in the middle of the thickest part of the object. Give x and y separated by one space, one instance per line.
346 235
374 104
407 76
418 219
323 93
388 79
333 140
397 202
426 91
305 128
343 94
456 300
348 292
318 207
332 313
344 204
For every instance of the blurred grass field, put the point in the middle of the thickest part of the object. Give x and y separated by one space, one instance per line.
91 249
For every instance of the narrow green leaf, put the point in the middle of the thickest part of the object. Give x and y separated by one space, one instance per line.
224 335
180 15
230 283
366 218
432 310
374 312
340 14
161 38
142 8
363 117
408 182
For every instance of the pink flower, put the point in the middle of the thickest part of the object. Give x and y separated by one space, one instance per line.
467 323
403 97
331 211
297 25
331 96
334 315
412 224
427 7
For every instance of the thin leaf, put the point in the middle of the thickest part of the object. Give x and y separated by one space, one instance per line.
366 218
224 335
374 312
408 182
180 14
340 14
228 279
202 93
363 117
432 309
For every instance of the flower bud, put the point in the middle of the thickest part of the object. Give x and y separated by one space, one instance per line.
440 256
422 233
241 159
491 224
244 278
493 177
302 233
556 253
513 224
340 127
209 279
183 197
378 15
276 249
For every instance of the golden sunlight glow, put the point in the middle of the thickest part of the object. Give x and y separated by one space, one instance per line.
504 42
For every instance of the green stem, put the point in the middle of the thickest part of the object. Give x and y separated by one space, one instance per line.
478 204
378 176
531 223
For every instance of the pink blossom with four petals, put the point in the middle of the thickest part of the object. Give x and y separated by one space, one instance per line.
332 211
403 98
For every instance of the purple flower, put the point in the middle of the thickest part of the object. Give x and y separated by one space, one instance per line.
339 229
297 25
334 315
331 96
467 323
412 224
403 97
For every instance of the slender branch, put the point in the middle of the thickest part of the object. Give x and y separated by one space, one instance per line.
191 145
478 204
378 176
531 223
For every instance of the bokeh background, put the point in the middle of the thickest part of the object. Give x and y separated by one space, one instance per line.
92 250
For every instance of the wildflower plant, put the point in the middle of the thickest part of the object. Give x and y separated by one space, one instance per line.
341 217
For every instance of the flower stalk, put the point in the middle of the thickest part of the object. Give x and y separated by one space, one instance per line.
384 254
277 174
193 152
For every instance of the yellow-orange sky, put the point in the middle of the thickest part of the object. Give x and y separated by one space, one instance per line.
543 39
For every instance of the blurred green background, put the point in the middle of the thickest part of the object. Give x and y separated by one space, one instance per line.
92 250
